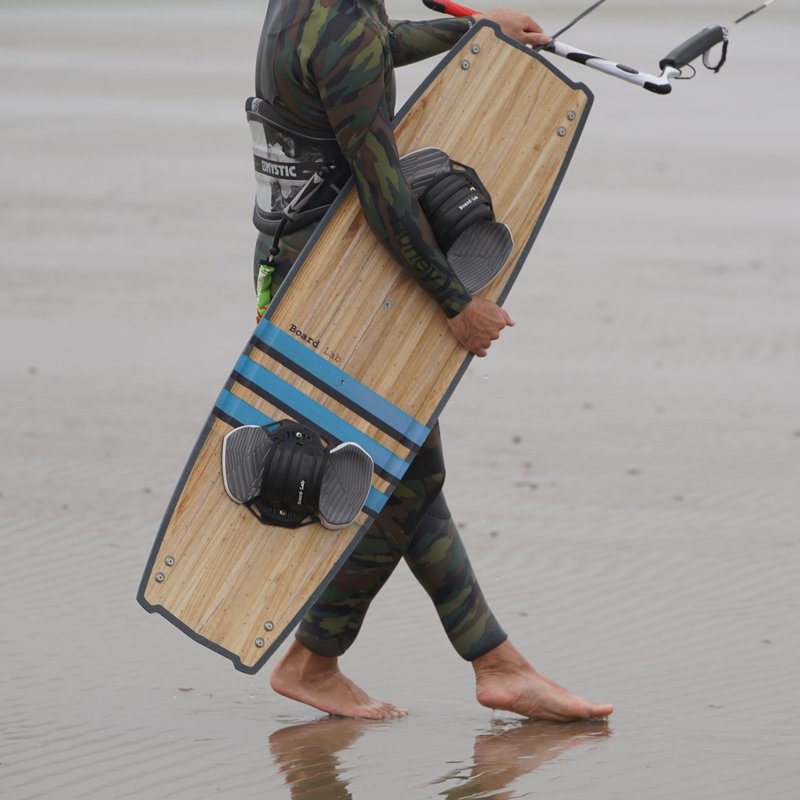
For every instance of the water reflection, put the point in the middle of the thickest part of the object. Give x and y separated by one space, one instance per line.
307 755
510 750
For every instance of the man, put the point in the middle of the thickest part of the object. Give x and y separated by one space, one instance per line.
325 81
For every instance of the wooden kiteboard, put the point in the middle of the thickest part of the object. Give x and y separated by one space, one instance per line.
353 346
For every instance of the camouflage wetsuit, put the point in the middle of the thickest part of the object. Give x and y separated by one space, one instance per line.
329 67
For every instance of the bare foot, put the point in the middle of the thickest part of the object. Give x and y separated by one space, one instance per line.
317 681
504 680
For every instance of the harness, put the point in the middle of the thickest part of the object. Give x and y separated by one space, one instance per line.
298 172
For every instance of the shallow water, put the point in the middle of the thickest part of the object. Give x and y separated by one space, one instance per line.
624 464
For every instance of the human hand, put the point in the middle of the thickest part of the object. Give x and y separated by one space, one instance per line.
517 26
479 324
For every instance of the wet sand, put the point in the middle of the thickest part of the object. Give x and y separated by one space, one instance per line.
625 462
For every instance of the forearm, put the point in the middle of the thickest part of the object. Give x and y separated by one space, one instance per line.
414 41
355 95
395 217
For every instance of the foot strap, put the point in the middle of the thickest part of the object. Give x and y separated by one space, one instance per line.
287 476
460 211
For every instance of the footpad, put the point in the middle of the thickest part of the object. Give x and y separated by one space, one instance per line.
345 485
277 489
478 255
243 453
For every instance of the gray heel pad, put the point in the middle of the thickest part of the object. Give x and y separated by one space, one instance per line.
345 485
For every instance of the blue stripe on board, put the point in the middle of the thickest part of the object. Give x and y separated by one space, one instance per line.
309 377
340 382
294 413
320 416
244 414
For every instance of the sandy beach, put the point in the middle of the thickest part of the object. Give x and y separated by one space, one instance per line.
624 464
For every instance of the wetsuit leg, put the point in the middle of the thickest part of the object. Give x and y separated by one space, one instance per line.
415 524
439 561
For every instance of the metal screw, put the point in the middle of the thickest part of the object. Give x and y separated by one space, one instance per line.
465 64
387 304
159 577
268 626
169 561
259 642
571 115
562 131
476 48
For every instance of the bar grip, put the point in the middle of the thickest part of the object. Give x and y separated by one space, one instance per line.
693 47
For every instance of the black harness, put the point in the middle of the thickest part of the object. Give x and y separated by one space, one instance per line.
299 172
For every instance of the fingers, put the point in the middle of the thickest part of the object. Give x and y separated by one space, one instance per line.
507 317
534 39
531 33
481 348
479 325
519 26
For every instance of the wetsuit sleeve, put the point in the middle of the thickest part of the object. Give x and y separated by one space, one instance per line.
413 41
352 87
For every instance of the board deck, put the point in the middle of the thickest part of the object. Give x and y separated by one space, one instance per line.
377 363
